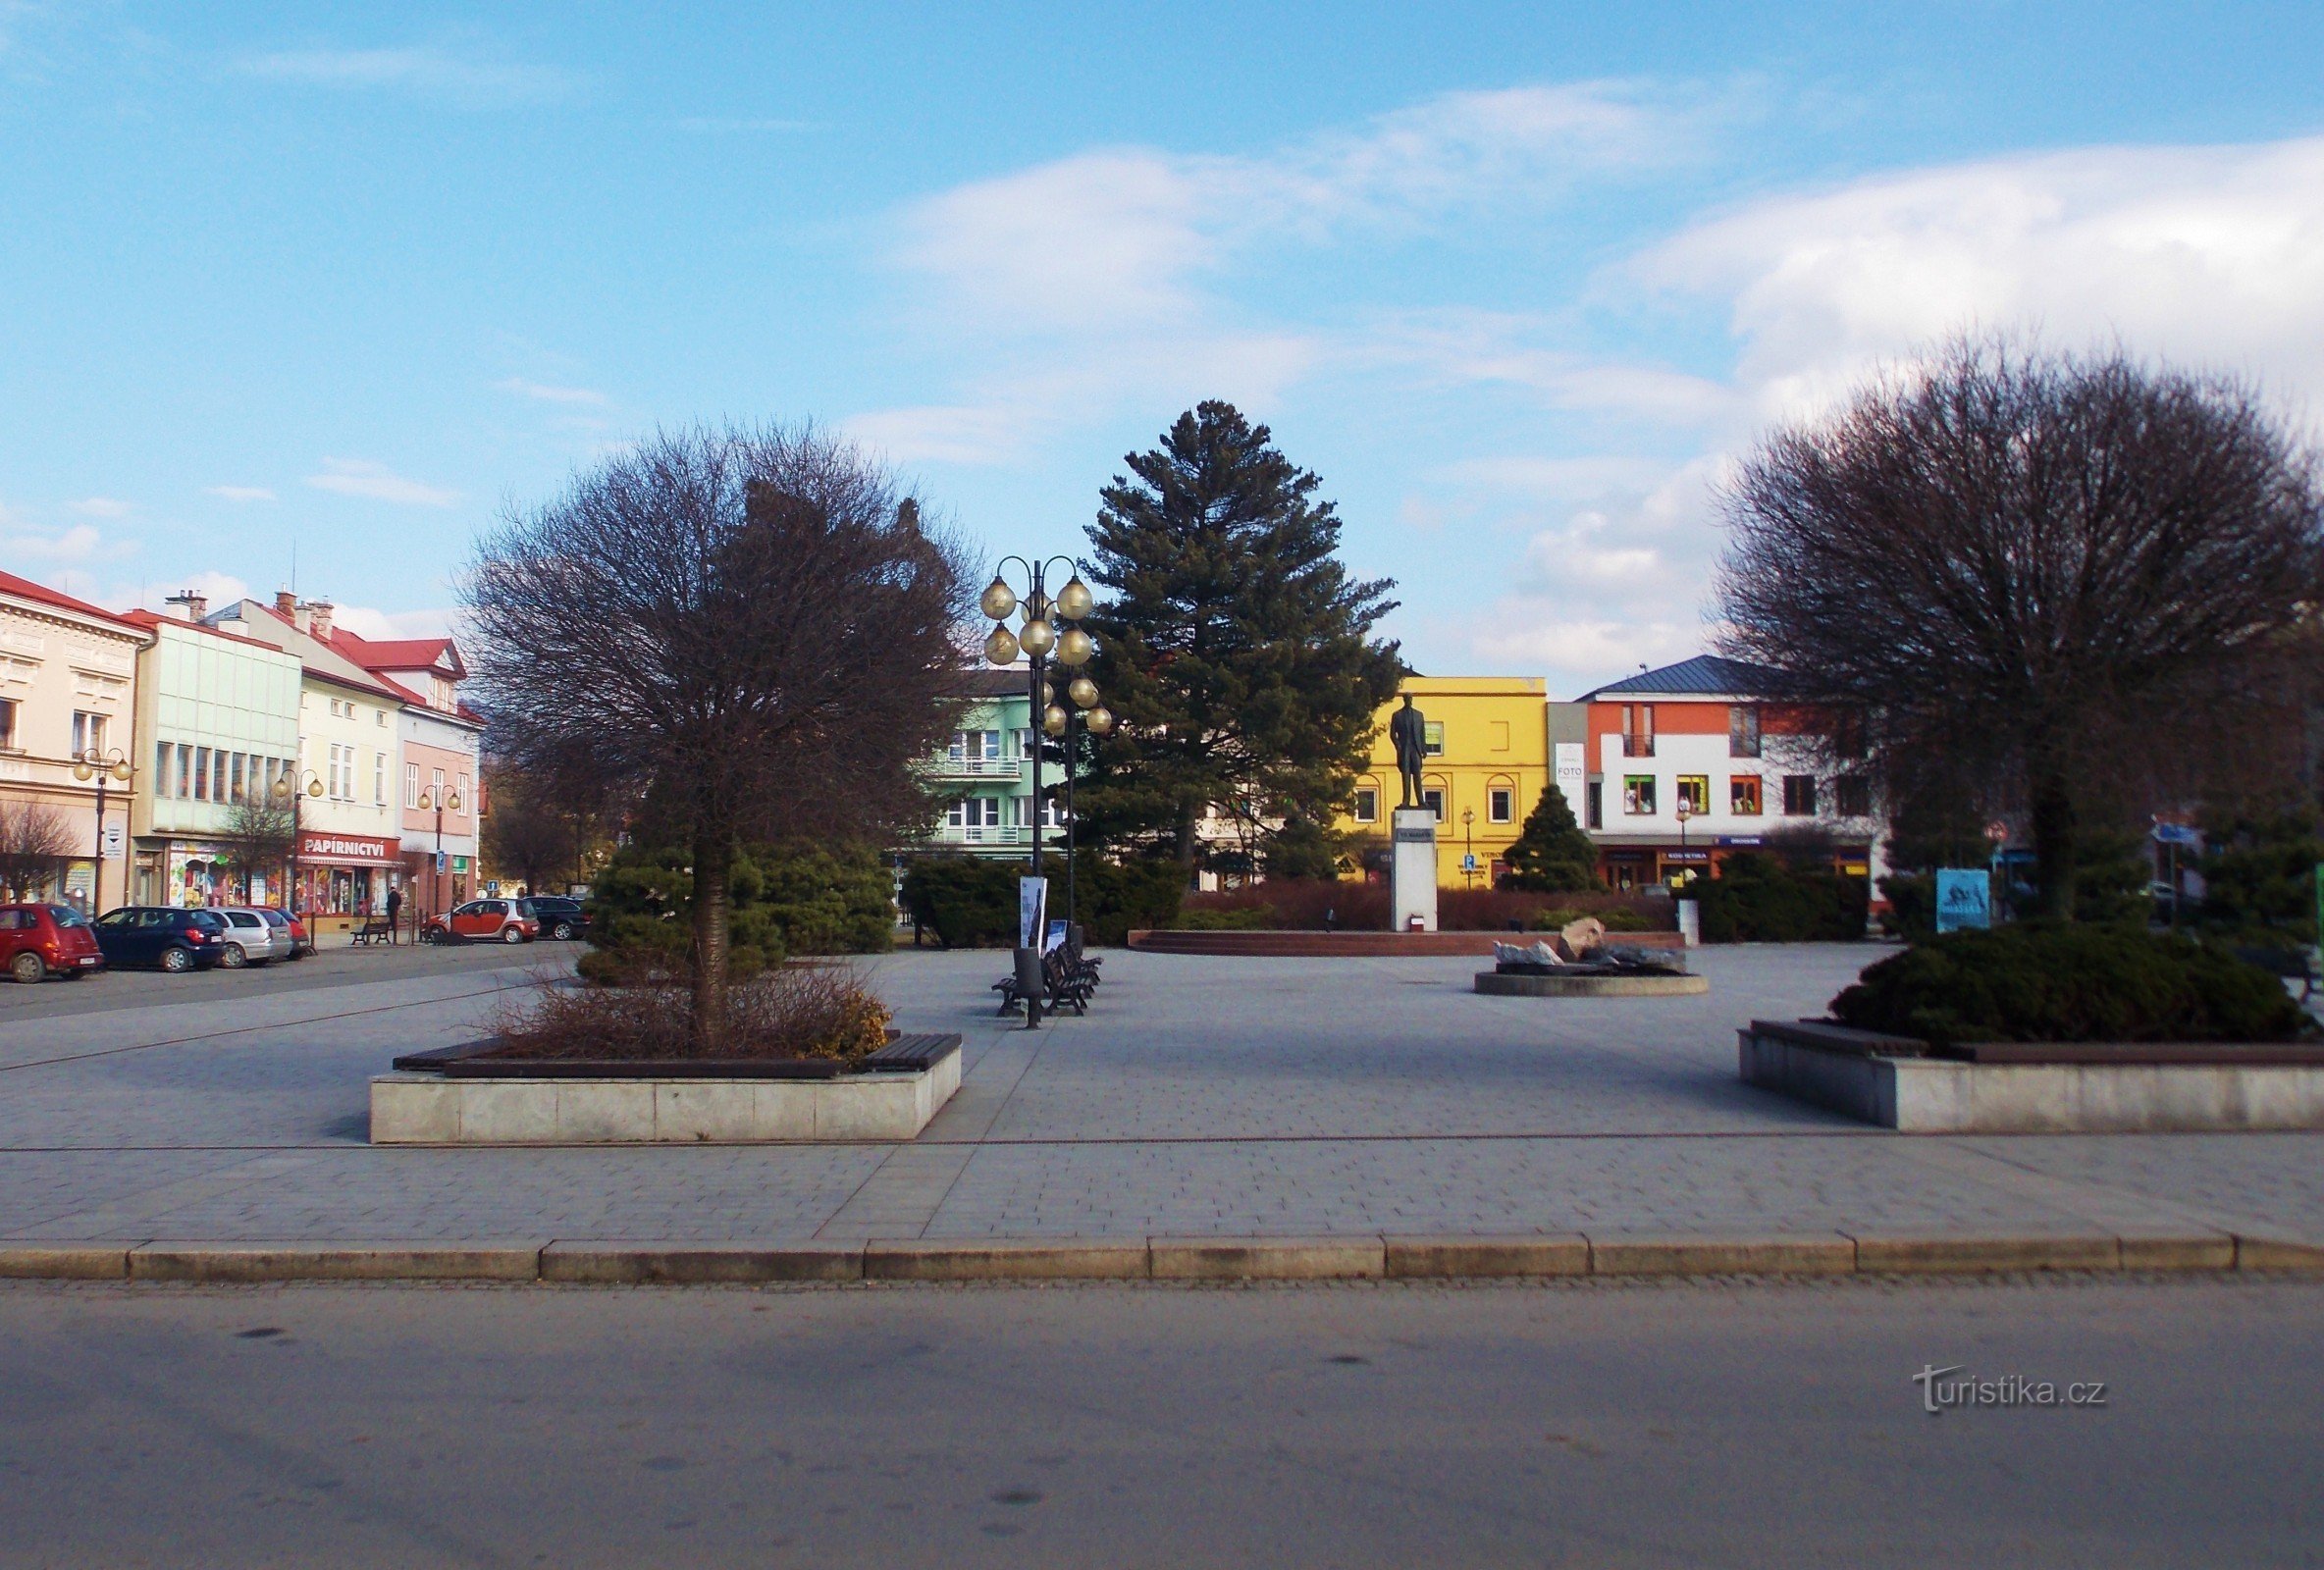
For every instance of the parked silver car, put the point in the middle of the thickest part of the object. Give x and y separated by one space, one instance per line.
250 938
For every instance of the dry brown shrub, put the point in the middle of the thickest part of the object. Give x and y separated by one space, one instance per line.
793 1011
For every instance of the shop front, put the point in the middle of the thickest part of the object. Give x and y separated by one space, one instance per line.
345 874
198 873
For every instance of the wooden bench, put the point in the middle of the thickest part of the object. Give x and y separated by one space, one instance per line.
374 929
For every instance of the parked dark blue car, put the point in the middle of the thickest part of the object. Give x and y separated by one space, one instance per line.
161 935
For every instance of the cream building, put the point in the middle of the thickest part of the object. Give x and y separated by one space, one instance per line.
67 695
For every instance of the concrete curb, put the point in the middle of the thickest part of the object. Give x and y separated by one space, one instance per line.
1429 1257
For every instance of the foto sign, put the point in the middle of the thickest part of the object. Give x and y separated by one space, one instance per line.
1964 899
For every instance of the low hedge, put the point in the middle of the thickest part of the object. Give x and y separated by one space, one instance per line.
2037 981
1758 898
970 902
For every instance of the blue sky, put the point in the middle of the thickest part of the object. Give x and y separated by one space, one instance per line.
1517 281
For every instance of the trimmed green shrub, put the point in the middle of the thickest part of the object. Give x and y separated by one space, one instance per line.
966 901
1552 854
2038 981
1240 919
1758 898
782 901
2260 877
970 902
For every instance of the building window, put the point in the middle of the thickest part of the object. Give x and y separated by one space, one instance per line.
1500 804
184 789
161 768
1743 731
8 723
1638 730
1852 796
1434 799
234 778
1638 795
201 773
1743 796
1431 737
1367 805
1799 796
379 778
1694 794
467 797
1595 814
89 732
411 785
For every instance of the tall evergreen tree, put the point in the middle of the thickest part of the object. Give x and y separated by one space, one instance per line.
1234 646
1552 855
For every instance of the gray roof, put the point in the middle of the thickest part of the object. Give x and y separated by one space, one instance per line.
1705 676
1001 683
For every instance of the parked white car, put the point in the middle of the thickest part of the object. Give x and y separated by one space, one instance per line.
250 938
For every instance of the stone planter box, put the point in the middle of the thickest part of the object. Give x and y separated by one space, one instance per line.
2036 1088
453 1098
1519 984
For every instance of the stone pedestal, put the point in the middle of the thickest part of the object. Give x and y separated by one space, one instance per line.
1412 870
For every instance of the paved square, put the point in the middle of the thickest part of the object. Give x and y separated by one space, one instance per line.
1200 1096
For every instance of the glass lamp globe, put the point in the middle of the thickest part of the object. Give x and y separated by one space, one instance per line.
282 789
453 804
1074 600
1074 647
314 787
998 600
1037 638
1001 647
1082 690
121 770
1053 720
1048 693
82 770
1037 608
1101 720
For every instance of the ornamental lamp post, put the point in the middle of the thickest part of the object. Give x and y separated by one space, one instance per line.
104 768
437 800
1050 631
1468 854
1686 809
289 786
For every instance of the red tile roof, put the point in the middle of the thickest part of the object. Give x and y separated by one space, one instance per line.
27 588
394 653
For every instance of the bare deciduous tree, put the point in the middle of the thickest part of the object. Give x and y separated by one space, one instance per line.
35 843
2065 579
748 624
258 838
537 830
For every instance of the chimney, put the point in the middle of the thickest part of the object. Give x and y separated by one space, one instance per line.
318 620
186 605
286 605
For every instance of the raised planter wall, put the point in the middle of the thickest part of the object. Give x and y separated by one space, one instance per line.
416 1108
1890 1082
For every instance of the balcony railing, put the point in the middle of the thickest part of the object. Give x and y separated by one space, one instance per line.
983 834
1638 747
979 767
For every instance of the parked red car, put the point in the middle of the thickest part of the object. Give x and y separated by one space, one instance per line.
39 941
483 922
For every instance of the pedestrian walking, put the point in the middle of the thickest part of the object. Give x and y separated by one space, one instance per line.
394 909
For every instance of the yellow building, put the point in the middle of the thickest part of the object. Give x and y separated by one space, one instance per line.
1488 763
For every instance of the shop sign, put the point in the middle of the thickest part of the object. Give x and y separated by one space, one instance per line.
323 846
1686 856
1739 839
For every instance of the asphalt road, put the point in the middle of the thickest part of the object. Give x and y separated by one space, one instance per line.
1721 1423
335 966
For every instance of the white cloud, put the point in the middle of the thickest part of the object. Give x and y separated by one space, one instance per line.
102 507
220 588
365 622
79 542
2207 255
241 492
431 72
1098 276
544 393
358 477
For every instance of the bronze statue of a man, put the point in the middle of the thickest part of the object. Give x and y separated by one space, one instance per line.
1408 729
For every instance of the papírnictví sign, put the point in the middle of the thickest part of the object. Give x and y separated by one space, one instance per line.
319 847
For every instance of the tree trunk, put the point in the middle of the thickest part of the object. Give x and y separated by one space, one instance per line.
714 861
2055 841
1188 840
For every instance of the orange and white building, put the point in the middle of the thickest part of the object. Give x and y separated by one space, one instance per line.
1679 768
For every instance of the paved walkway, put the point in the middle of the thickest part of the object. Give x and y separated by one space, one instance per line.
1202 1096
